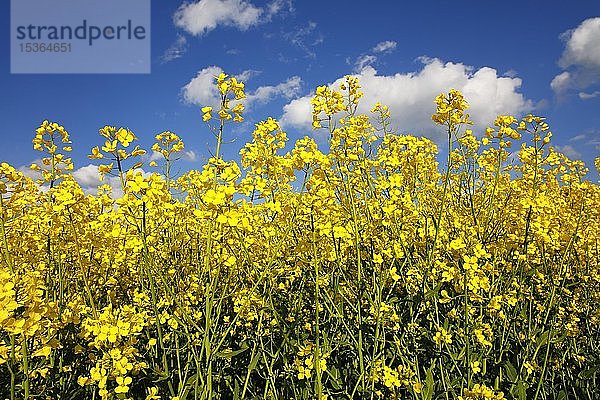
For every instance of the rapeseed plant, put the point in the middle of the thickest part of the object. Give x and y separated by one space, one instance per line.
365 270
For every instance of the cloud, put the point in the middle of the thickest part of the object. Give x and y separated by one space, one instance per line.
587 96
89 180
203 16
247 74
189 155
186 155
305 38
297 113
561 82
577 138
202 91
263 94
155 156
568 151
176 50
582 45
580 60
410 96
87 177
588 139
200 17
279 6
368 60
33 174
386 46
364 61
580 145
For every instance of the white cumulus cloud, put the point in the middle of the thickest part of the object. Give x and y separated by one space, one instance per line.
186 155
87 177
89 180
263 94
410 96
581 58
202 91
297 113
561 82
201 17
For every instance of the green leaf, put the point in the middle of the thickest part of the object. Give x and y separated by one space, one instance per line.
520 391
254 361
542 339
433 292
334 374
191 380
231 353
588 373
511 371
236 390
429 384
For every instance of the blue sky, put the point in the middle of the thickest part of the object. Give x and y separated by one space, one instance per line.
508 57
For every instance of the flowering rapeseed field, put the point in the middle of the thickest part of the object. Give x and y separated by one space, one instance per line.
369 270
